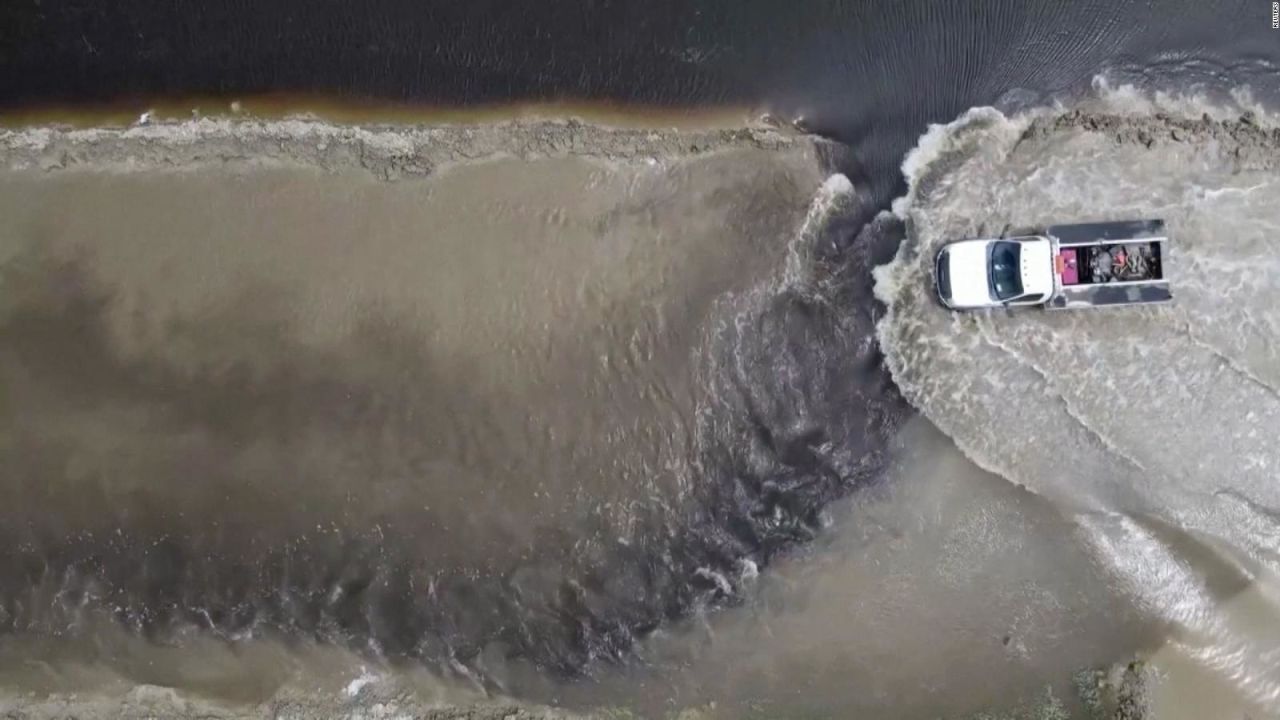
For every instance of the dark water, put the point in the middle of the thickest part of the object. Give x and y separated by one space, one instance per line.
780 409
870 73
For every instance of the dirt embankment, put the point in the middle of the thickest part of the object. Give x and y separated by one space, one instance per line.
385 151
1246 137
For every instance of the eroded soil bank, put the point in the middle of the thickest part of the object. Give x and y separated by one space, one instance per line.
385 151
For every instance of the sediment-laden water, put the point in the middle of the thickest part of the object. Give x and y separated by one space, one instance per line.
503 420
1156 428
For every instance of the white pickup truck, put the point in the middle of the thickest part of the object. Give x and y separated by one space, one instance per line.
1061 266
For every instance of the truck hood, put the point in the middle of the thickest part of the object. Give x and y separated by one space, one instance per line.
967 270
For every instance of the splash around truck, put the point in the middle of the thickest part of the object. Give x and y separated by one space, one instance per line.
1058 267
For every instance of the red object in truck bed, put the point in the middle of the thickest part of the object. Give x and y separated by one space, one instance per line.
1067 267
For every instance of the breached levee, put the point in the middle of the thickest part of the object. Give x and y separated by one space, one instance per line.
387 151
1158 428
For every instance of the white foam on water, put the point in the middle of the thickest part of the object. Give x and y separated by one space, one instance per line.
832 195
1128 99
360 682
1167 412
1232 636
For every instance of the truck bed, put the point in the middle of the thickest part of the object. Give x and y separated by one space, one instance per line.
1110 263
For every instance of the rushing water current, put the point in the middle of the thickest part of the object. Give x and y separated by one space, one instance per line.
1157 429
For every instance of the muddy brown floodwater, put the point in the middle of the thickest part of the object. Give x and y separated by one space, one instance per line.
254 392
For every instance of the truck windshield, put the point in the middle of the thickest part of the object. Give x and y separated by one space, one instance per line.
1006 275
